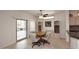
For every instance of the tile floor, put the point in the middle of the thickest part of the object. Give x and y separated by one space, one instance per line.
55 43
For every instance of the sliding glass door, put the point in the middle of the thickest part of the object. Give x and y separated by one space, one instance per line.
21 29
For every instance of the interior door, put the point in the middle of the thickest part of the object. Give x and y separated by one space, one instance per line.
56 28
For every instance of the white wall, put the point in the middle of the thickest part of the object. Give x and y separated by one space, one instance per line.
64 24
8 26
62 19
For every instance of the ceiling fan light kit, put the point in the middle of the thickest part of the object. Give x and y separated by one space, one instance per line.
45 16
49 17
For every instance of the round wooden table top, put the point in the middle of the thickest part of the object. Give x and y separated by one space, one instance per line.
40 33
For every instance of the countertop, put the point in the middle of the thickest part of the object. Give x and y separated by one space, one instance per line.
74 34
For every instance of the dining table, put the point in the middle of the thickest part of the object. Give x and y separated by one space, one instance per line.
40 34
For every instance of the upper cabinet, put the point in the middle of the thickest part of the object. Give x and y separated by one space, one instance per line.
74 17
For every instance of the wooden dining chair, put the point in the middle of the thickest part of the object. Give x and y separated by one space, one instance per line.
35 41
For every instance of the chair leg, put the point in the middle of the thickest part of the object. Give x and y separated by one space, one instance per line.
33 45
48 42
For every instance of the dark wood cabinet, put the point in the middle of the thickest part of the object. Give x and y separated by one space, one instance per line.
74 28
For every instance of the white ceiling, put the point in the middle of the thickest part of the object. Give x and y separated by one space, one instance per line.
37 12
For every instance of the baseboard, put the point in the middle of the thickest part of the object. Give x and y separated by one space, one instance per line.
3 47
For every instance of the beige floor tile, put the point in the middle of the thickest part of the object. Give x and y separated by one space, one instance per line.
55 43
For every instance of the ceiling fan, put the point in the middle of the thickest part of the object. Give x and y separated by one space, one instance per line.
45 15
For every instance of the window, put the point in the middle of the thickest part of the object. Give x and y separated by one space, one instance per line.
32 26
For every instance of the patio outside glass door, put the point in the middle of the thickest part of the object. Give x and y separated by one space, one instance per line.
21 29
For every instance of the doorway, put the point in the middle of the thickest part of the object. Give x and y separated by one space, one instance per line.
21 29
40 24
